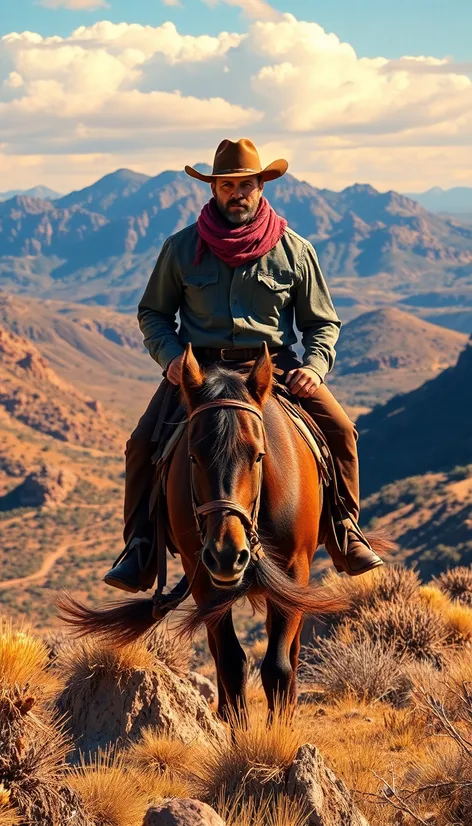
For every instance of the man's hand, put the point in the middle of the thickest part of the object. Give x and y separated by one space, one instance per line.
174 370
303 382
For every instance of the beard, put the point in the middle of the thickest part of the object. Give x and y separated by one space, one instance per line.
243 216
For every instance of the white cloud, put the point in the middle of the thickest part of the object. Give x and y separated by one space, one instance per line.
254 9
87 5
171 2
129 92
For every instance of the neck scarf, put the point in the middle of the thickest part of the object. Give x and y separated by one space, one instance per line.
238 244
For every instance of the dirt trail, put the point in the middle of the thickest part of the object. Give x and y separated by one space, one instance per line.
49 560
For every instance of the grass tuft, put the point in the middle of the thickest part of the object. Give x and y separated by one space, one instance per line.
160 753
254 761
411 628
112 795
457 584
24 660
277 810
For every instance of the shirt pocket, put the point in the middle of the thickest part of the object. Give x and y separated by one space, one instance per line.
201 292
272 292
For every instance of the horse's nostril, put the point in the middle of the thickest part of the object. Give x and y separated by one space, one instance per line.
243 559
209 560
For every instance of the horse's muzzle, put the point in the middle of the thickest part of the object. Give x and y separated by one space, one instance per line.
226 567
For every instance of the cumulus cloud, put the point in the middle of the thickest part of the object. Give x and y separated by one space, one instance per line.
87 5
132 92
254 9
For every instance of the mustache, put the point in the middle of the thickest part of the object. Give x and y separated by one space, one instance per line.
238 203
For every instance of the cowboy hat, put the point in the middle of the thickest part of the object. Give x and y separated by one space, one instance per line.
238 159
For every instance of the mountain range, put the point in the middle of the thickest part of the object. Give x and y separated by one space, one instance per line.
42 192
98 245
456 200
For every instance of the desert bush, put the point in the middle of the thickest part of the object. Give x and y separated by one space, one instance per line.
112 795
434 598
253 762
8 816
366 669
411 628
24 660
175 655
161 753
457 584
277 810
386 584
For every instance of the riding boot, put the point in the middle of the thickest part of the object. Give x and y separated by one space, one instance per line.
134 569
350 551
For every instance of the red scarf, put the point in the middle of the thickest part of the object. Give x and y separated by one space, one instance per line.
239 244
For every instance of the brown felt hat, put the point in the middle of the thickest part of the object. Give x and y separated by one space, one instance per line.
237 159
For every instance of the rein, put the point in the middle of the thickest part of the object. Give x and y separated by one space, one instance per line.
248 518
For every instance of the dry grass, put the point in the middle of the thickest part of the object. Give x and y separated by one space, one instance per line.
254 761
89 659
8 817
413 629
175 654
112 795
392 583
457 584
434 598
24 660
361 667
159 753
458 620
277 810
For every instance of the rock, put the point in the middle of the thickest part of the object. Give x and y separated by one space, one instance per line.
182 812
114 707
204 686
327 797
46 487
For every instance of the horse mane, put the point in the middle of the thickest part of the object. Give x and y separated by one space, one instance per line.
221 383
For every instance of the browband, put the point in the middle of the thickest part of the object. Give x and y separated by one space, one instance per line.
222 403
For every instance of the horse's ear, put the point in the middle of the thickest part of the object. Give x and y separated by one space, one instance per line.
260 379
192 377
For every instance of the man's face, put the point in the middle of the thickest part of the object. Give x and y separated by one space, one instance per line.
237 198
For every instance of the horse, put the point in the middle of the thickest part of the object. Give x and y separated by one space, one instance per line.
244 503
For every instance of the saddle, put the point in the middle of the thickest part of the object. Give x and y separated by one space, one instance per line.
170 427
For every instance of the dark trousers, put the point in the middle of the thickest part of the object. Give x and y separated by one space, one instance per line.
340 433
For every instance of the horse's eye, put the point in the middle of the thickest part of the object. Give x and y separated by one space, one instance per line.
192 459
260 457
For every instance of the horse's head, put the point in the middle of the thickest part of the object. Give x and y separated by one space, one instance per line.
226 444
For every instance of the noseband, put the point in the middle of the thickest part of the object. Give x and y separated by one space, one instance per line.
248 519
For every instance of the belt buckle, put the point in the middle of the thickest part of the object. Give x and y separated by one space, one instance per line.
222 353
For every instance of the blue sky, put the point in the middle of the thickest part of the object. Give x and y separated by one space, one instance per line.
348 91
373 27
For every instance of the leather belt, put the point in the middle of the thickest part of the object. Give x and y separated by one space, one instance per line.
233 353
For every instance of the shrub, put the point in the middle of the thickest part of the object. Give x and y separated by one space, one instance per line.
160 753
458 621
409 627
112 796
364 668
253 763
174 654
457 584
24 660
277 810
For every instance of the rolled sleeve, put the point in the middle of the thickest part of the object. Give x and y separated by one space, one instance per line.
158 308
315 315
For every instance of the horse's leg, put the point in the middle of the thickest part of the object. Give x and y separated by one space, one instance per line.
222 699
277 671
295 648
231 666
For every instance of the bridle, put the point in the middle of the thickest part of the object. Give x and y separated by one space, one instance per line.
249 519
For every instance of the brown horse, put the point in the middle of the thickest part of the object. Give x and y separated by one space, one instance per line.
244 505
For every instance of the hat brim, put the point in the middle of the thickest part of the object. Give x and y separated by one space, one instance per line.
275 170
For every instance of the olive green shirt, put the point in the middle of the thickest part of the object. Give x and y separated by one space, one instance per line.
224 307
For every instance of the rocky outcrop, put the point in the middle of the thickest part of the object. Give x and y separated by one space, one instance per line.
327 797
46 487
182 812
112 708
204 686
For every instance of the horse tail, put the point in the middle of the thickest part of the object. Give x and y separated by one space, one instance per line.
380 542
288 596
121 623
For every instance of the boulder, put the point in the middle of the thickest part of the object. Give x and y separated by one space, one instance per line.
182 812
327 797
113 708
204 686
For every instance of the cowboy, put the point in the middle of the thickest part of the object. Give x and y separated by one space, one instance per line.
238 276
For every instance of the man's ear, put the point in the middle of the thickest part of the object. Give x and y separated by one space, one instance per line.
260 379
192 378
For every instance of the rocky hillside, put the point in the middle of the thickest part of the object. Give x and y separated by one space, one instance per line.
388 351
96 349
427 430
32 394
99 244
